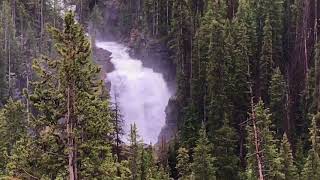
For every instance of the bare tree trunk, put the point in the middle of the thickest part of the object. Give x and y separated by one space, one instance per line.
191 69
256 133
117 128
71 122
153 18
117 131
317 57
167 8
9 65
41 24
157 20
257 142
5 22
13 7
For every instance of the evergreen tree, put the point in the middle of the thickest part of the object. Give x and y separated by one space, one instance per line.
73 118
13 128
135 150
265 69
203 162
289 169
277 93
300 156
227 162
311 167
118 132
190 126
142 161
267 149
183 164
173 158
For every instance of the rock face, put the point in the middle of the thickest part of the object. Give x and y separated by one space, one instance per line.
169 131
154 54
102 58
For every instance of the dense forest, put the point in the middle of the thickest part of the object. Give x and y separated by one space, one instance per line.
247 76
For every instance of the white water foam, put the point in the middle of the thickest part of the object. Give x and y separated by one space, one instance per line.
142 93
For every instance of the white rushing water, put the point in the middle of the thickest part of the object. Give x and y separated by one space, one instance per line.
142 93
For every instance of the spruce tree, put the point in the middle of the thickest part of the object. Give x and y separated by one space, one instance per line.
300 156
216 79
141 160
262 137
225 152
311 169
190 126
289 169
135 152
73 118
13 128
203 162
277 93
183 164
266 63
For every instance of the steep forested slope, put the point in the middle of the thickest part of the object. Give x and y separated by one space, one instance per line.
247 95
247 70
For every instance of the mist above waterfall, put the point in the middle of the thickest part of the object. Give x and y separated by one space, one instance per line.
142 94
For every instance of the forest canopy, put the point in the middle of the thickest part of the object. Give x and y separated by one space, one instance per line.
246 77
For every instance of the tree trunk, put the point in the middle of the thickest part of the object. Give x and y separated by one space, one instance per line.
71 122
256 133
41 25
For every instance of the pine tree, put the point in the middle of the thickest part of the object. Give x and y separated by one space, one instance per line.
13 128
190 126
73 117
118 123
216 89
141 160
203 162
277 93
183 164
225 152
135 150
3 68
300 156
261 138
173 158
265 69
289 169
311 168
149 169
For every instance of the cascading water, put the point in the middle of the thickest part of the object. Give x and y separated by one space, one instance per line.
142 94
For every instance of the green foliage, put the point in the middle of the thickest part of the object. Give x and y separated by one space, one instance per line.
141 160
219 49
311 167
289 169
183 164
13 128
266 60
227 162
76 77
272 162
277 100
190 127
203 162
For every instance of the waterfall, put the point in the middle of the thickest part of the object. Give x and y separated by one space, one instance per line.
142 94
